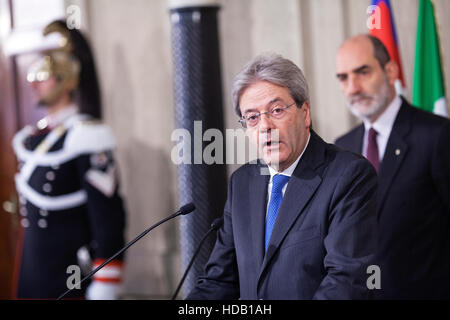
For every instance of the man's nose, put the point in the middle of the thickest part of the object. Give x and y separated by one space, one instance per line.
265 122
354 86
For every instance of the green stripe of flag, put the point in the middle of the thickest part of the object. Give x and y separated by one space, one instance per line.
428 85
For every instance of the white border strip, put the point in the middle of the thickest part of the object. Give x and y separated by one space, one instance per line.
176 4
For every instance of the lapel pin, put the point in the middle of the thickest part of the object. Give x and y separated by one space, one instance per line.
397 152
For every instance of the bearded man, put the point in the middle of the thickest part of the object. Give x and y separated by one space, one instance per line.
410 149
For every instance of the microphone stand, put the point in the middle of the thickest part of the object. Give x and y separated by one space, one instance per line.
214 226
183 210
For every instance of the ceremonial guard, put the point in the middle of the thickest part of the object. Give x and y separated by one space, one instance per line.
67 179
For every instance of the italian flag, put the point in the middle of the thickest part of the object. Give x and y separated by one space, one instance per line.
382 26
428 83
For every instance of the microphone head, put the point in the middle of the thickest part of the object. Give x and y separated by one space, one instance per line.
217 223
187 208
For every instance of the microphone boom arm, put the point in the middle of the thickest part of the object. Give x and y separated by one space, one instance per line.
214 227
183 210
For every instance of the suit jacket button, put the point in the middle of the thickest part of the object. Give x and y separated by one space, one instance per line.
43 213
42 223
50 176
47 187
25 223
23 211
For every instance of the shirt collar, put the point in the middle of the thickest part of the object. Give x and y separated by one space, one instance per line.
290 170
385 121
55 119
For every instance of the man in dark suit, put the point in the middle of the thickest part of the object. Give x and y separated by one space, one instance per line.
410 149
302 225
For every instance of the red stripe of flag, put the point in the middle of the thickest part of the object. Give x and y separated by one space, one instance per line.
386 33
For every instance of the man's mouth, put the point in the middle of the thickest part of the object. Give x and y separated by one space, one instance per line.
360 99
271 144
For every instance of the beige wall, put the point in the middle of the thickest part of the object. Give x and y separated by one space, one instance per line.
132 45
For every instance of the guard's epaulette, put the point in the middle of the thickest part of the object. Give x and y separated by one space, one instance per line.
87 121
90 122
89 135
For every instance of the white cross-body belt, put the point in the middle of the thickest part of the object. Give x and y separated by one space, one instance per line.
31 161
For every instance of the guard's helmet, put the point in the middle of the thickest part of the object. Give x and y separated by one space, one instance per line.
70 60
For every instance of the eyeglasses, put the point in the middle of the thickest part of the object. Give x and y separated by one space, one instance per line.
252 119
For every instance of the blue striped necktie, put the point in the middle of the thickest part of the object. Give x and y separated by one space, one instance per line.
276 196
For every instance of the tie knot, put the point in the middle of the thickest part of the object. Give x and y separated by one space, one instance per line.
372 133
278 182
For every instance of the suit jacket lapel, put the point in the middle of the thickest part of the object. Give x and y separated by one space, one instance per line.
356 144
396 150
258 191
301 187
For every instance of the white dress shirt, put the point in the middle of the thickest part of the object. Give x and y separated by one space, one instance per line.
383 126
287 172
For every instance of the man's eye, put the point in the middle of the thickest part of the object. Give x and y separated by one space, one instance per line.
252 117
364 71
277 110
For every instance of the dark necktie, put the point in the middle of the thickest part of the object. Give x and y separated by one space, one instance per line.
372 149
276 196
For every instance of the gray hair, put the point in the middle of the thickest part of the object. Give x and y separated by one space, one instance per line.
274 69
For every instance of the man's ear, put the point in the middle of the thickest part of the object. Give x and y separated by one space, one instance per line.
307 113
392 71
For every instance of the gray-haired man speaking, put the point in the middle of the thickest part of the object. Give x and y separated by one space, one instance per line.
308 229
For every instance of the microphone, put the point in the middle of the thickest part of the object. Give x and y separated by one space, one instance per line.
215 225
188 208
